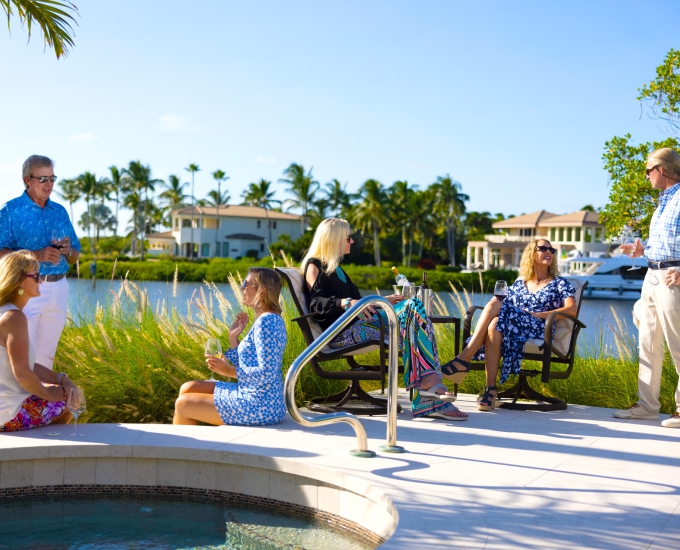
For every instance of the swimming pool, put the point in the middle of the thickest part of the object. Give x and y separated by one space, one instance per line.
107 523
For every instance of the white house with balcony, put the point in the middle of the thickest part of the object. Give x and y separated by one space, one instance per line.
227 231
580 231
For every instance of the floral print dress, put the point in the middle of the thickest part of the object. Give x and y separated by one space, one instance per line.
257 398
518 326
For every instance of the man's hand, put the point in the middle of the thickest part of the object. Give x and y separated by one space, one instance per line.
66 246
48 254
672 278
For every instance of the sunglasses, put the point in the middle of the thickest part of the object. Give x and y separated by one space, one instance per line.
44 179
244 285
349 238
650 170
35 276
544 248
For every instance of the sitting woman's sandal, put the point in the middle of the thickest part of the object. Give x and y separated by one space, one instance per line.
488 400
433 393
451 372
456 414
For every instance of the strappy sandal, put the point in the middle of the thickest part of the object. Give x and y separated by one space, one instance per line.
450 372
488 400
431 393
442 414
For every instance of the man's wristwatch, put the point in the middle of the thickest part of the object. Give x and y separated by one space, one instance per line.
60 377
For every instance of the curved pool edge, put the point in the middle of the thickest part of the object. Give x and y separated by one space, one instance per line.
138 455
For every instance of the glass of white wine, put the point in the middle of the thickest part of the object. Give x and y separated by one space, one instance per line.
213 348
76 404
628 243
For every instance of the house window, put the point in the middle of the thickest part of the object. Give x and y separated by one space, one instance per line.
259 224
560 234
274 225
552 233
225 250
205 250
569 234
577 234
176 223
186 223
261 247
197 224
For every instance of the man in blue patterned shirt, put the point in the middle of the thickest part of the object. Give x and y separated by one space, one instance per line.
33 222
658 311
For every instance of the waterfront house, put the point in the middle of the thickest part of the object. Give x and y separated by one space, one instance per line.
579 232
231 231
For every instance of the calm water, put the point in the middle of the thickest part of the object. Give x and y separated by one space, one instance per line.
156 525
598 315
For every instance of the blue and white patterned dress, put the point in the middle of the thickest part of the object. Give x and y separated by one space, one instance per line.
517 326
257 398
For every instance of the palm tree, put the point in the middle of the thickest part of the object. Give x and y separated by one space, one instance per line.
451 205
101 217
173 196
69 192
219 176
370 210
399 203
302 186
52 16
337 196
90 188
192 168
140 181
260 194
116 185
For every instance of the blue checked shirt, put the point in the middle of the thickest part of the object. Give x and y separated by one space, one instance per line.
24 225
664 230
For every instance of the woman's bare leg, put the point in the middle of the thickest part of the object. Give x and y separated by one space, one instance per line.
196 404
489 314
492 352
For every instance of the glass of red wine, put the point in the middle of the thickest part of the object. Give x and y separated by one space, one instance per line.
500 291
58 237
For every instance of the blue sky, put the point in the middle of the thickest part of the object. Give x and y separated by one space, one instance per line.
513 99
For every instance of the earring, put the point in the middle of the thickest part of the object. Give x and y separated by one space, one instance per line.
20 291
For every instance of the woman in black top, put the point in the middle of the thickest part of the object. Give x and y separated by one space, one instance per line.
330 291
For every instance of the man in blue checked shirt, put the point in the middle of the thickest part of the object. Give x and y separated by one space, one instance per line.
34 222
658 310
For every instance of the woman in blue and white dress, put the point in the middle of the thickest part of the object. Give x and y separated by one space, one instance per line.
257 398
505 326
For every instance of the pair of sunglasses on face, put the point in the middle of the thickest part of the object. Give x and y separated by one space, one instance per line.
544 248
34 276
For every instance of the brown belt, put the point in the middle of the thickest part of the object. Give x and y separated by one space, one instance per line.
53 278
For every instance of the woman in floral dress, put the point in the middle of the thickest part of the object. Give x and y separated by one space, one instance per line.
31 395
330 291
504 327
257 398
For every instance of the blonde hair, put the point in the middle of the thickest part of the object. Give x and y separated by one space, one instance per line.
526 266
328 244
269 285
13 269
668 159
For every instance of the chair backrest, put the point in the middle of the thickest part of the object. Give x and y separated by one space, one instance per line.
295 282
564 328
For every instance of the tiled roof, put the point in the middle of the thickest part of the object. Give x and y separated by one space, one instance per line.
575 219
164 235
235 211
524 221
245 237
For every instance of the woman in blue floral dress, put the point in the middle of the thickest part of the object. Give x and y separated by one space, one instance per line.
257 398
330 291
504 326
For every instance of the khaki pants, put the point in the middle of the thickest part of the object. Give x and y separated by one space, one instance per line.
46 316
658 313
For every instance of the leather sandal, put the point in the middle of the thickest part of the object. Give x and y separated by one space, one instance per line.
461 416
488 400
431 393
451 372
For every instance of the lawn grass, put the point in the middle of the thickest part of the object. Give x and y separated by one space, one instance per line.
131 360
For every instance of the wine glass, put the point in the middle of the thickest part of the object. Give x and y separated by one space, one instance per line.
76 404
58 237
628 242
500 291
213 348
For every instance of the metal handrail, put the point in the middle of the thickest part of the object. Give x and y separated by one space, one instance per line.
342 416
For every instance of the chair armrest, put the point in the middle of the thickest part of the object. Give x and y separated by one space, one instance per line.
550 320
467 325
298 319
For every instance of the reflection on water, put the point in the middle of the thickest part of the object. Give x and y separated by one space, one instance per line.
596 314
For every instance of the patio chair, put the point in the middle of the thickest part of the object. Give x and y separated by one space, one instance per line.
352 399
559 349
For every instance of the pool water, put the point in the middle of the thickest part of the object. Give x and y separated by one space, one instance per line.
108 524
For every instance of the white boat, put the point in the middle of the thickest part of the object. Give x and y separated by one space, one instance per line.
608 277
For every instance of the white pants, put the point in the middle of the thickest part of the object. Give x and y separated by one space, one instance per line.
46 316
659 317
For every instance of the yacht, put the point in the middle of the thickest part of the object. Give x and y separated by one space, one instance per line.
608 276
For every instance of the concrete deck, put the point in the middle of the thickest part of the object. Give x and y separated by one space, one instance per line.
502 480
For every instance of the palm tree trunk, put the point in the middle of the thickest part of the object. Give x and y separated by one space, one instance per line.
141 244
269 225
217 220
376 244
403 245
115 227
448 242
410 248
193 207
420 243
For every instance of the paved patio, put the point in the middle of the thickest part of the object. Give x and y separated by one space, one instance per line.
502 480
